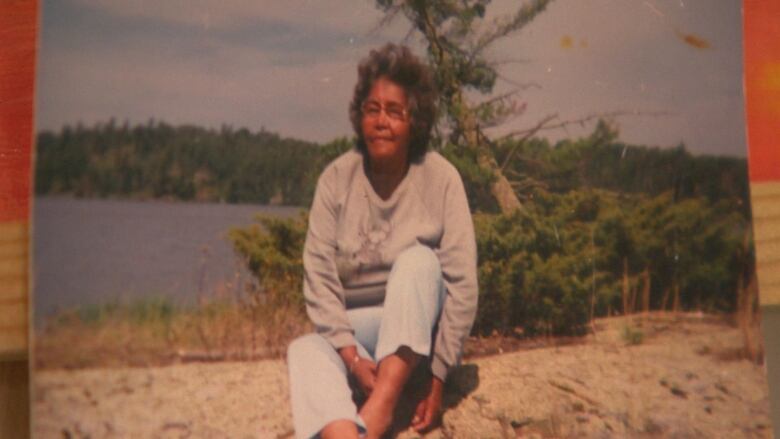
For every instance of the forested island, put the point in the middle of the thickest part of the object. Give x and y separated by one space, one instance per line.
190 163
187 163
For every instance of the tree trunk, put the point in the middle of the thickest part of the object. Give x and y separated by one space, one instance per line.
646 292
742 312
665 300
502 190
463 116
747 306
626 311
748 320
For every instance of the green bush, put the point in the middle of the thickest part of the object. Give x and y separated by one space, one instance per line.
152 309
526 278
273 252
633 336
550 267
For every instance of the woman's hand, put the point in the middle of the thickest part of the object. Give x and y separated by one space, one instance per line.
364 371
428 411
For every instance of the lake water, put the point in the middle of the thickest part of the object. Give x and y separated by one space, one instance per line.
92 251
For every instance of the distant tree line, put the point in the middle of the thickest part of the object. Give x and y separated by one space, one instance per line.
160 161
602 161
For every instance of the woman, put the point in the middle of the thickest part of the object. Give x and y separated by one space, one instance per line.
390 262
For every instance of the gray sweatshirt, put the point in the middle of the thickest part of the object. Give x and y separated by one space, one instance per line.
354 236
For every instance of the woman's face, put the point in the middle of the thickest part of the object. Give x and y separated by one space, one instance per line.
386 123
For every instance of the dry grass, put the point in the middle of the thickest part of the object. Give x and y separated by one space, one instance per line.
152 332
748 319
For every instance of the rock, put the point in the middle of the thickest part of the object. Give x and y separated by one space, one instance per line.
593 390
676 391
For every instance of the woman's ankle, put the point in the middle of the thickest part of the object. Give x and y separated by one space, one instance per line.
377 413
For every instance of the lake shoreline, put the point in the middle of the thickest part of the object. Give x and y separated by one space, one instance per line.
89 251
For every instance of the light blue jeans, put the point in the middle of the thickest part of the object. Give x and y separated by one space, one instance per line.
319 390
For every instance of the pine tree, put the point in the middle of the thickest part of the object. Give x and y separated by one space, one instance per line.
456 52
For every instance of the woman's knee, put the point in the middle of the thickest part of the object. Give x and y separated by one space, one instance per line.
303 347
418 259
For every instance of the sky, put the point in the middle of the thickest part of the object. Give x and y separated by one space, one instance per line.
671 68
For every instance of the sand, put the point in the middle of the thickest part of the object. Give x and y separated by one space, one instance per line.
683 380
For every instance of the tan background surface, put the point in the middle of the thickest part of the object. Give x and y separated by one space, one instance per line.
14 240
765 199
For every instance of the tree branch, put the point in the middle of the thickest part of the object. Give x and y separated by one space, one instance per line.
524 15
528 133
500 97
511 61
390 14
528 183
544 125
520 85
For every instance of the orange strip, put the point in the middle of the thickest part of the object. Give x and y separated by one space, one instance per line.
761 32
18 26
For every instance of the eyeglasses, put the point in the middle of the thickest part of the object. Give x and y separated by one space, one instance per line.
373 109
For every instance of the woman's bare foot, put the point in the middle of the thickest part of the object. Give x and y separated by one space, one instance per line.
394 371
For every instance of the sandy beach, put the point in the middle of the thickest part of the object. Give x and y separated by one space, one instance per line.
683 379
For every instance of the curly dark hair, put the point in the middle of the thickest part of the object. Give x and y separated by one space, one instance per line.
399 65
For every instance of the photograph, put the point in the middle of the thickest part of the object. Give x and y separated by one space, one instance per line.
393 218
